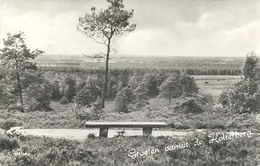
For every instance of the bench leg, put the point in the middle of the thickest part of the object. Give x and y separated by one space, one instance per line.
147 131
103 132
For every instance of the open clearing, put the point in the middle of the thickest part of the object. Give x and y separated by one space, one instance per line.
214 84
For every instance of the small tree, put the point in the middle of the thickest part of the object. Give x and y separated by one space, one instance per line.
103 26
84 97
244 96
140 94
123 99
56 90
250 66
188 85
16 57
68 89
151 83
38 96
170 88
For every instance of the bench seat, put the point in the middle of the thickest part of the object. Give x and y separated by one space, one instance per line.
147 126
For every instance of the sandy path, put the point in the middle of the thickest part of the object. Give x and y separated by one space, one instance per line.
81 134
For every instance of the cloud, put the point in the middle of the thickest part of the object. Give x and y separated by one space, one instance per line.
211 28
55 35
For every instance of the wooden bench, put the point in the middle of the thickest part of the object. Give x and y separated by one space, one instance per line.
147 126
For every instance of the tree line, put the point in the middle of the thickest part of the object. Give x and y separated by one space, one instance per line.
222 71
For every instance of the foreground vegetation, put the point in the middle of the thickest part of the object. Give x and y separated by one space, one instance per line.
31 151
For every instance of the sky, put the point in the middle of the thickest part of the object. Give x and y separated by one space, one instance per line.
229 28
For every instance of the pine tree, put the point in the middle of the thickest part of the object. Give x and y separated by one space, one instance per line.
244 96
188 85
123 99
103 26
56 93
84 97
250 66
16 57
170 88
69 88
140 94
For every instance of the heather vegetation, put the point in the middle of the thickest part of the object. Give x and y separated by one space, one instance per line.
31 151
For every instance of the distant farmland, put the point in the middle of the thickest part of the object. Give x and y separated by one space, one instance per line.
214 85
194 65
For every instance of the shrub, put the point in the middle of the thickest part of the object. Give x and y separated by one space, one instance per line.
123 99
189 106
188 85
8 144
85 113
16 107
140 94
38 97
56 90
64 100
91 136
23 158
170 88
84 97
8 123
96 113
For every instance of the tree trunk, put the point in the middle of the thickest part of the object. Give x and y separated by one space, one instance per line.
19 88
170 96
106 76
18 81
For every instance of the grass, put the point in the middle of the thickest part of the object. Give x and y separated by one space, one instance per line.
215 84
62 117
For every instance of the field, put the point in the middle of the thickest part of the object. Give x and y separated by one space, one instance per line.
214 84
162 62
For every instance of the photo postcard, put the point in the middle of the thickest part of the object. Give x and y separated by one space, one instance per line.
129 83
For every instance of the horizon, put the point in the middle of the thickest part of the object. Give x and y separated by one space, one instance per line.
214 28
140 56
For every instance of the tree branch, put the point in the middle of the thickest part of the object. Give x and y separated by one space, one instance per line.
95 56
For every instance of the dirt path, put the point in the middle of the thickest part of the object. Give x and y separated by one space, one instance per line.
81 134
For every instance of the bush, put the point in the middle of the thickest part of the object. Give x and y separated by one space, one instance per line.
64 100
84 97
8 144
189 106
123 99
38 97
91 136
8 123
16 107
242 121
23 158
85 113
